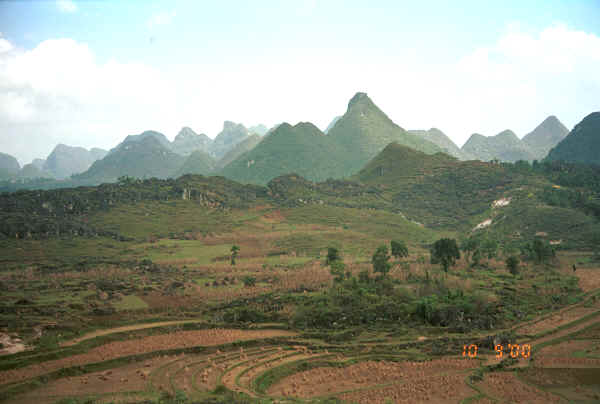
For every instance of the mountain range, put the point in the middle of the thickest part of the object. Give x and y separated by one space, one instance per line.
258 155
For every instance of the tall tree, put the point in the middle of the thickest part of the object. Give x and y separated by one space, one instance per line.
234 253
445 251
380 260
399 249
332 255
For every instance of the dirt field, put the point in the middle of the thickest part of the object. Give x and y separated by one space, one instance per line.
507 387
182 339
329 380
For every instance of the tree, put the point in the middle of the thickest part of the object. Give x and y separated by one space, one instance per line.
234 253
332 255
469 247
399 249
542 251
512 263
445 251
249 281
337 270
380 260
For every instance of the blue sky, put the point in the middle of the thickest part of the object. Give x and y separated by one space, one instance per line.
89 73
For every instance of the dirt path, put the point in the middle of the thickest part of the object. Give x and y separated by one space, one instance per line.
133 327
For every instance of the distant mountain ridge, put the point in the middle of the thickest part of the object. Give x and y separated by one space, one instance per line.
545 136
187 141
439 138
65 161
140 157
9 165
232 134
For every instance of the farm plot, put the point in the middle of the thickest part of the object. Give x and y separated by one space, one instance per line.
505 386
113 350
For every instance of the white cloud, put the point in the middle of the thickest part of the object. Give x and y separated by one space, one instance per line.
162 18
66 6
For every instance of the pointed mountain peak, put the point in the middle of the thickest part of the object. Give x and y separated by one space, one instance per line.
186 132
509 134
359 98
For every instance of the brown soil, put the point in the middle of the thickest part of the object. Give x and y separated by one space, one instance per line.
442 388
507 387
328 380
557 320
131 377
567 331
565 349
589 278
181 339
133 327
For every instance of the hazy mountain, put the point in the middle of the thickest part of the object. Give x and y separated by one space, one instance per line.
301 149
39 163
439 138
231 135
162 139
545 136
9 166
65 161
144 157
582 145
505 146
198 162
32 171
187 141
242 147
332 124
259 129
364 130
97 153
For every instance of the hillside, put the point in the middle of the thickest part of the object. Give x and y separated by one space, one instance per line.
65 161
440 139
582 145
545 136
505 146
332 124
9 165
240 148
140 158
231 135
187 141
199 162
364 130
301 149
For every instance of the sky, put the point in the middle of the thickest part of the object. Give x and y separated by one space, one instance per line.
89 73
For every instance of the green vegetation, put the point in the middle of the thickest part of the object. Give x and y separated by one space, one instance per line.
380 261
581 145
445 251
399 249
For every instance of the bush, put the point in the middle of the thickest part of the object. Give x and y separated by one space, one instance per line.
249 280
512 263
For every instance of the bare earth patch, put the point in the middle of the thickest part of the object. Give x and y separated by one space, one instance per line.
328 380
507 387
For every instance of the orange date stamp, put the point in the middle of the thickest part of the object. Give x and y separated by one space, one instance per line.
514 351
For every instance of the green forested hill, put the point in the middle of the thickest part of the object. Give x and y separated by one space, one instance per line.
364 130
301 149
582 144
145 158
199 162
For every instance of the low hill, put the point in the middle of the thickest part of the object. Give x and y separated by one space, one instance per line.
440 139
301 149
145 158
364 130
187 141
199 162
242 147
505 146
545 136
582 145
65 161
